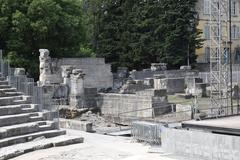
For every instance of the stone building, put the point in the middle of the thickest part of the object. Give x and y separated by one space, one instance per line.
203 9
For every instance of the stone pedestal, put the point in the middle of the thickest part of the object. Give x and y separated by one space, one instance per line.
160 82
77 89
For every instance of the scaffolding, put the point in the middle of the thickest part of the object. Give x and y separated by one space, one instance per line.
219 57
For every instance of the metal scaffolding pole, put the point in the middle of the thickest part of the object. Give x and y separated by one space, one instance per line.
219 53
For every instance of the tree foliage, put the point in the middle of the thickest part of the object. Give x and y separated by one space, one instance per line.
139 32
28 25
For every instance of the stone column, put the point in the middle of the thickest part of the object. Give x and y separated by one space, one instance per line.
77 88
160 82
66 72
44 67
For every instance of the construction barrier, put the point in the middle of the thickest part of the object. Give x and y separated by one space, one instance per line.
146 132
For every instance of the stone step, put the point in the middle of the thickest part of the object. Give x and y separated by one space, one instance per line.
3 82
23 105
21 118
38 144
21 101
5 86
8 90
26 128
11 94
29 137
18 109
14 100
2 78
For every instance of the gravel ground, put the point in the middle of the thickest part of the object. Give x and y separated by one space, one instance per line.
100 147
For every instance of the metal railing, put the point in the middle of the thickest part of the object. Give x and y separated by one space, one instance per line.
146 132
148 129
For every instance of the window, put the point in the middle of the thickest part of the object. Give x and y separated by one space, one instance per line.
235 32
207 31
227 55
234 7
207 54
206 6
237 55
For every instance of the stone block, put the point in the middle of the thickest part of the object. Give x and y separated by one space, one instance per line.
76 125
185 67
19 72
158 66
175 85
153 92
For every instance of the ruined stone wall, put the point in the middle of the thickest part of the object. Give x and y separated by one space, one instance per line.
114 104
98 74
138 105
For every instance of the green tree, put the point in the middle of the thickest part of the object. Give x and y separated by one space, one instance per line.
28 25
139 32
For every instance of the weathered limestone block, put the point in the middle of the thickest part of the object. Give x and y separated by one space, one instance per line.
153 93
132 86
185 68
77 89
76 125
158 66
173 85
19 72
149 82
160 82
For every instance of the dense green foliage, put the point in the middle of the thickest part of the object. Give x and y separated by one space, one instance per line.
28 25
131 33
138 32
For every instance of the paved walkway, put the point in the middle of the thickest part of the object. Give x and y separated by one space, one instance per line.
99 147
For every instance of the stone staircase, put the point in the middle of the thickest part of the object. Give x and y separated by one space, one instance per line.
23 122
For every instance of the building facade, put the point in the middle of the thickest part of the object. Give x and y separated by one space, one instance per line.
203 8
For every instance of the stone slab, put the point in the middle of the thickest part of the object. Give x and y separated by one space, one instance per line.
224 124
76 125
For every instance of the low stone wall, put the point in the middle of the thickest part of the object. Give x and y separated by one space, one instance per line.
138 105
148 73
115 104
200 145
